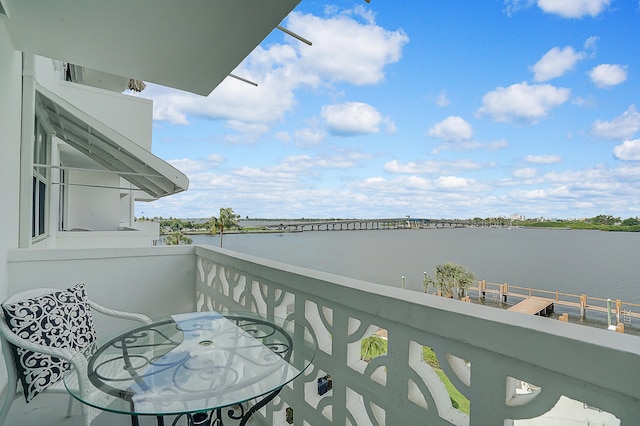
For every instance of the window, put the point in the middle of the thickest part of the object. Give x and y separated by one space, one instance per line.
41 155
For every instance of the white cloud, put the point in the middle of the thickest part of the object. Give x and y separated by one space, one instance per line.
543 159
564 8
451 129
347 47
351 118
305 138
452 182
590 43
522 102
461 146
442 100
283 136
442 190
608 75
389 126
574 8
215 159
499 144
555 63
588 102
628 151
512 6
187 166
525 173
306 164
544 194
456 134
168 107
621 127
594 182
430 166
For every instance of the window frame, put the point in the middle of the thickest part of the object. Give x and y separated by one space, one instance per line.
41 181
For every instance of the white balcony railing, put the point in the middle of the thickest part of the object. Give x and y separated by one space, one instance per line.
486 352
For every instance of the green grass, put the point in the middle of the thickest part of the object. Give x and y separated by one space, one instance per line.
430 358
458 400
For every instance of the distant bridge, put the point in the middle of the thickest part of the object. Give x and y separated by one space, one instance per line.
368 224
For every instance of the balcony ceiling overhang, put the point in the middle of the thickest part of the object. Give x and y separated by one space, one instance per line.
109 148
191 45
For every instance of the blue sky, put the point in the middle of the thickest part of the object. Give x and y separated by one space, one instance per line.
457 108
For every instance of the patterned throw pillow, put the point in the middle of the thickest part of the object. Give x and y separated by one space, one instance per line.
61 320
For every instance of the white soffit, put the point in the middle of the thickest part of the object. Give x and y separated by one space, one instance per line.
109 148
190 45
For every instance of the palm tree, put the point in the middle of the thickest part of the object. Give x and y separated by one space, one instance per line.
212 225
372 347
228 219
449 276
177 238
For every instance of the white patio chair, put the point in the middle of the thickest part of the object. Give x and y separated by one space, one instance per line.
8 338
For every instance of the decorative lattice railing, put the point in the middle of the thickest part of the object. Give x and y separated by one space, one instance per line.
509 366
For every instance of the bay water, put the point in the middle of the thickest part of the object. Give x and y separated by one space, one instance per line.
595 263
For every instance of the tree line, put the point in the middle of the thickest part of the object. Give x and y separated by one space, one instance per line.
174 229
600 222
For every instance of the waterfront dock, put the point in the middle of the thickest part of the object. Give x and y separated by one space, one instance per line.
534 306
544 302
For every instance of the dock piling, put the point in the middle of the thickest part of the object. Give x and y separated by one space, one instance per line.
583 306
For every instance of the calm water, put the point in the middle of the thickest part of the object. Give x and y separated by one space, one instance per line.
599 264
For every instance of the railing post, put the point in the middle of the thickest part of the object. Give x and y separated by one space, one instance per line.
618 310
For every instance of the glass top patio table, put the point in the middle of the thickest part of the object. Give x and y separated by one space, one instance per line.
189 363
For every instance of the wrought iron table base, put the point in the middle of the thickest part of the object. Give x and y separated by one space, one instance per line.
214 418
235 412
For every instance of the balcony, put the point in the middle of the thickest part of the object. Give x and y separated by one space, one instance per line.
510 366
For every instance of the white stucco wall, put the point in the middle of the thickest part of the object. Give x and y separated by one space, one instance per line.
10 104
129 115
155 281
96 209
